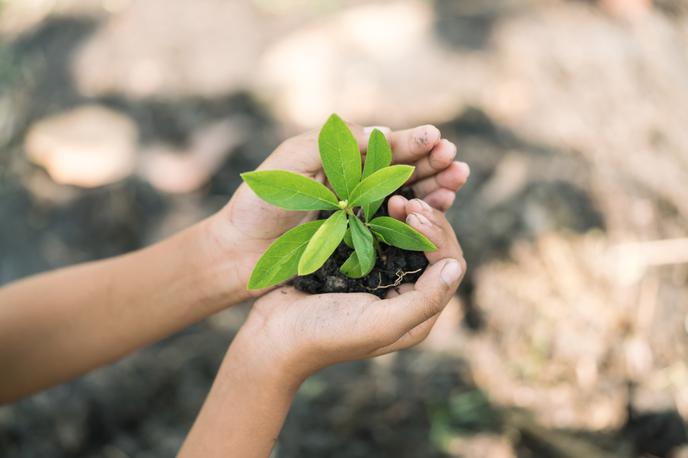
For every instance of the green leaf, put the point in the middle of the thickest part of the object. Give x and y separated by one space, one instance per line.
363 243
281 259
348 240
340 156
380 184
323 243
401 235
290 190
351 267
379 156
370 209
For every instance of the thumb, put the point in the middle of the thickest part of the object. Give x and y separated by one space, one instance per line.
430 295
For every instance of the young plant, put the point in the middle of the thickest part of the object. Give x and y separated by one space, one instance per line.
355 193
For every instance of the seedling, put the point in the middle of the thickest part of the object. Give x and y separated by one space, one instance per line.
355 198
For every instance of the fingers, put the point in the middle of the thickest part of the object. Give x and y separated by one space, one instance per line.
439 191
431 223
430 295
434 225
437 176
298 154
302 154
386 131
362 134
439 158
410 145
411 315
396 207
411 338
441 199
453 177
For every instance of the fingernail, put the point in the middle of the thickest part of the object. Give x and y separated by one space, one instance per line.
451 272
423 204
413 220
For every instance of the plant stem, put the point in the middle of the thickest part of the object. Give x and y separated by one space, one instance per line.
378 248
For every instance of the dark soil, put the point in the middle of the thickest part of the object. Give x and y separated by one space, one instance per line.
393 268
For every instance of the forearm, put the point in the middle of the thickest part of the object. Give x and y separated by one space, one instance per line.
245 409
58 325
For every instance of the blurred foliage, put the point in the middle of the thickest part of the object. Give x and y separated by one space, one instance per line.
465 413
9 67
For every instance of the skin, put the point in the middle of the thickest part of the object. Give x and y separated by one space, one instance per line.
59 325
290 335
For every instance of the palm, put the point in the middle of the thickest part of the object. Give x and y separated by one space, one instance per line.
339 323
258 223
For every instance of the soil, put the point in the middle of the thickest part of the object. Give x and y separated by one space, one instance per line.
395 267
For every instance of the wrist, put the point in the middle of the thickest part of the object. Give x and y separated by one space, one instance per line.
246 405
263 364
216 264
267 357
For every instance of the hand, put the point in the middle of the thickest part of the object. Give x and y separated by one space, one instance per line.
290 335
247 225
301 333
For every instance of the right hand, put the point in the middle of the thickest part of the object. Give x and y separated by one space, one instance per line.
298 334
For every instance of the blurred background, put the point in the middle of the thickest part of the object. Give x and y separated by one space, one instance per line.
124 121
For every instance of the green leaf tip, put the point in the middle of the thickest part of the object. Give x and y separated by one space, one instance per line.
380 184
363 244
323 243
340 155
401 235
280 260
351 267
378 156
305 248
290 190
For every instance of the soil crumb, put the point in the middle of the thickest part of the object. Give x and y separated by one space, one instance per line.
394 268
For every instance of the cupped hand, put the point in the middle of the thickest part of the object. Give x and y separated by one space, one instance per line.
247 225
303 333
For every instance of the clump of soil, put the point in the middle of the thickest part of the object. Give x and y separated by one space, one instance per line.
395 267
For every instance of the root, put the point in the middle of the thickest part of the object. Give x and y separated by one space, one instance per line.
400 277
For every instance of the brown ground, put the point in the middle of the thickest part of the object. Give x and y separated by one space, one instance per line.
569 337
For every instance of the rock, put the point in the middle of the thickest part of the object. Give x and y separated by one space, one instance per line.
88 146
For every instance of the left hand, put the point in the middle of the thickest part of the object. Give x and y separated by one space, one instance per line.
297 334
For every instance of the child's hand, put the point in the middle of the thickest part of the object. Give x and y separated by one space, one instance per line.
299 334
290 335
247 225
